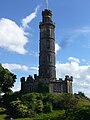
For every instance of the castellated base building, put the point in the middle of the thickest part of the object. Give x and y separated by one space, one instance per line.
46 80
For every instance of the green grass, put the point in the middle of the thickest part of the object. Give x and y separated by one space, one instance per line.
3 114
83 101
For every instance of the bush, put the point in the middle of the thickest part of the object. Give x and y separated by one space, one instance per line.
48 107
29 100
39 106
83 113
81 94
7 99
20 110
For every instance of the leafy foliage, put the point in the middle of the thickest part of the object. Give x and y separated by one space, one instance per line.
20 110
83 113
39 106
43 106
48 107
7 80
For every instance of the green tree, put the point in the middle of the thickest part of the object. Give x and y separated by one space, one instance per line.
30 100
81 94
82 113
7 80
69 105
48 107
39 106
18 109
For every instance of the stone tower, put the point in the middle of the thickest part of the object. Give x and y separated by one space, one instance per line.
47 47
47 71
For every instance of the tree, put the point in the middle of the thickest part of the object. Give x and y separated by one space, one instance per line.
81 94
70 105
39 106
48 107
7 80
18 109
83 113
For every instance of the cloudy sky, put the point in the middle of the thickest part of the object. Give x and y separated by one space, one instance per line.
19 38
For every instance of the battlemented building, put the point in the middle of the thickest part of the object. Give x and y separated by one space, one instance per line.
47 71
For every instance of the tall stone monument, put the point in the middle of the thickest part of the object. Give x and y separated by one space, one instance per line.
47 70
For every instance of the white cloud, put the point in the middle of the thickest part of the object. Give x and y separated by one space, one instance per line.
29 18
17 87
34 68
12 37
81 75
74 59
12 67
57 48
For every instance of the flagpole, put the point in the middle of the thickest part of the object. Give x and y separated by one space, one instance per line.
47 4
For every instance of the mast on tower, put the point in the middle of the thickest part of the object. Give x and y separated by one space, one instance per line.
47 4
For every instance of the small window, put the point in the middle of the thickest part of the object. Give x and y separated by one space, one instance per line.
48 73
48 32
49 58
48 44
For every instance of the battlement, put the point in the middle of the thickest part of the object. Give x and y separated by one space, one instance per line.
67 78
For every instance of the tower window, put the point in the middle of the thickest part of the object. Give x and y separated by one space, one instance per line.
48 73
49 58
48 44
48 32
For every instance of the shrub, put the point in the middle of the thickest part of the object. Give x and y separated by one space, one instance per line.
48 107
20 110
83 113
39 106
